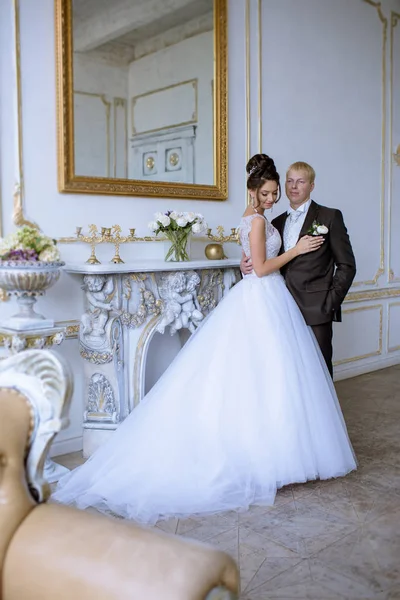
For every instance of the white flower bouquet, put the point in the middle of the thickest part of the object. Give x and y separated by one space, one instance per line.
177 227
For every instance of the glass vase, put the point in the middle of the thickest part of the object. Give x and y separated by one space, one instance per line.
178 250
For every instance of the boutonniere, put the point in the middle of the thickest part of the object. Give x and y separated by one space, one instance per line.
317 229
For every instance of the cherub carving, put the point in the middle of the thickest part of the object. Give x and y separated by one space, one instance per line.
191 312
181 307
99 293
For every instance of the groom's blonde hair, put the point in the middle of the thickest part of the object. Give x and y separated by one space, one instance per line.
303 166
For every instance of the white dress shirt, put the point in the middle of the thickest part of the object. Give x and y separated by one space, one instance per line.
293 225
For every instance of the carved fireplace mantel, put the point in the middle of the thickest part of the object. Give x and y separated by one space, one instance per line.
125 305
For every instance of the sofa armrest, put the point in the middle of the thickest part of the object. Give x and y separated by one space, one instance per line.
68 553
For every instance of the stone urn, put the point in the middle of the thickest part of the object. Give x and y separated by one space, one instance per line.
27 280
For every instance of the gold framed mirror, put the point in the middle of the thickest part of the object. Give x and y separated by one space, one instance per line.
142 98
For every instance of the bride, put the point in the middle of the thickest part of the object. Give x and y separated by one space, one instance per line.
248 405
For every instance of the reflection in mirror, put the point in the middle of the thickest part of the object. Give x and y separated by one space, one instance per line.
143 90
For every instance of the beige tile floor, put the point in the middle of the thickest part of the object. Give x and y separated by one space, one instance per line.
327 540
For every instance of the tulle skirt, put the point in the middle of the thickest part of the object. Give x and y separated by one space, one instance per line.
247 407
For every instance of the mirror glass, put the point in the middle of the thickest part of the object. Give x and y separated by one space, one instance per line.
143 90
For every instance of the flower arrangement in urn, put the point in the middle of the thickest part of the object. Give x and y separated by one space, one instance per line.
29 264
177 227
28 244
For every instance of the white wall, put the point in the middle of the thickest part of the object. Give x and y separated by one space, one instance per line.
325 107
321 82
321 89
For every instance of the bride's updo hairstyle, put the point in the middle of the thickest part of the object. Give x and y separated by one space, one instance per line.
261 168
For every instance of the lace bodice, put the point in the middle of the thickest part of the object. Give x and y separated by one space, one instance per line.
273 238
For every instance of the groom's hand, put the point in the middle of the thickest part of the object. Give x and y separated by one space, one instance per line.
246 266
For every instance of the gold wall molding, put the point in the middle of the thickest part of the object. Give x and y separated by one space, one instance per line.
68 182
377 294
195 115
394 20
391 348
396 156
1 214
373 281
377 352
381 269
18 215
247 42
18 210
121 102
248 77
260 97
19 194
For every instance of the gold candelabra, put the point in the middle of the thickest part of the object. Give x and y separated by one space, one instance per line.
93 239
221 238
113 234
109 235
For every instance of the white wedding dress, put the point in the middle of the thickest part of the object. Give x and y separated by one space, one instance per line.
247 407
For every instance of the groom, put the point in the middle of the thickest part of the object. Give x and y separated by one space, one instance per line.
320 280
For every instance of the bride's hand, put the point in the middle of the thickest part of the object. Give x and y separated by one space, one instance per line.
309 243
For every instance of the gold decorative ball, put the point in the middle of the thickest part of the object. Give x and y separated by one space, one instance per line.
214 252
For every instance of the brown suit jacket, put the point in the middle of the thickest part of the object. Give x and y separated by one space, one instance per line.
320 280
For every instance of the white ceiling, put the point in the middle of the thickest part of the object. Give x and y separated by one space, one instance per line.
125 30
